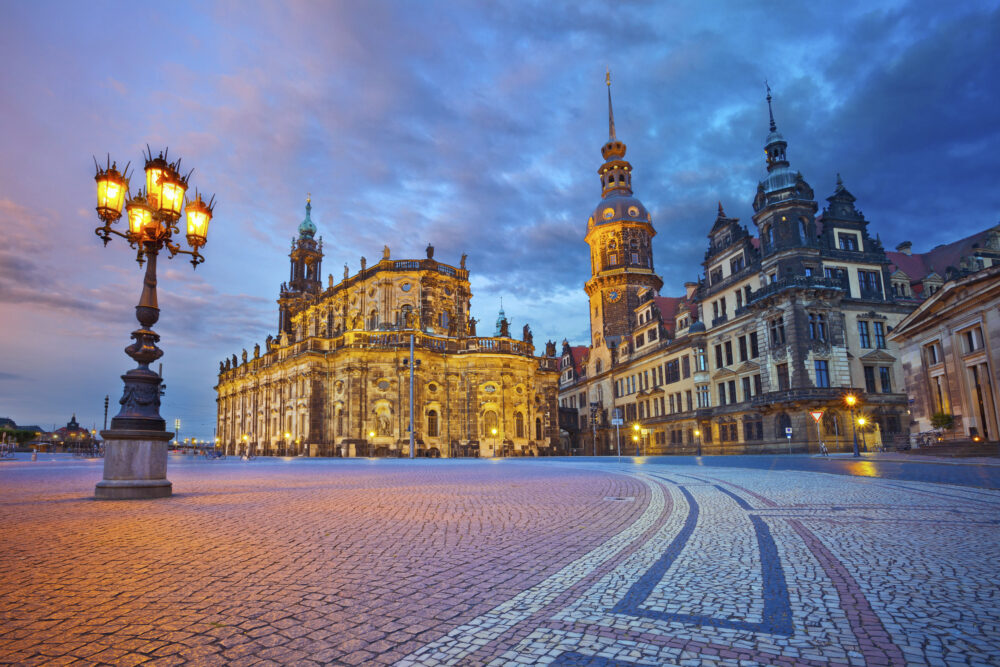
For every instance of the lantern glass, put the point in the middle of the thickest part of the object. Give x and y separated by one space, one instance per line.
198 217
111 189
171 195
140 219
154 175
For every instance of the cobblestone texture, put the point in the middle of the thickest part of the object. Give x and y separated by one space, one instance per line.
480 562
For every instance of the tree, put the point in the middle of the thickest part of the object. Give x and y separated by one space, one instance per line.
943 421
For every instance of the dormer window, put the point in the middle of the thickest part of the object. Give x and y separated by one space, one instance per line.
847 241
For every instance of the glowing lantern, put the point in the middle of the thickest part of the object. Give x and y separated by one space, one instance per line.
155 170
140 220
172 189
111 189
199 214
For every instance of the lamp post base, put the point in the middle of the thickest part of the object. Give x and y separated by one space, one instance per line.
135 465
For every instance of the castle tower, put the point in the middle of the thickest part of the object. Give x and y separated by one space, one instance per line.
619 234
784 207
304 273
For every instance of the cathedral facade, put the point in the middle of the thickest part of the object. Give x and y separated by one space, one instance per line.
336 380
786 320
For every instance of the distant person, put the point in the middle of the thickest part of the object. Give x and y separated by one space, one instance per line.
823 450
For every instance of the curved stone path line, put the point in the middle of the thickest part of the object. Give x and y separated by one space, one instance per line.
877 646
487 634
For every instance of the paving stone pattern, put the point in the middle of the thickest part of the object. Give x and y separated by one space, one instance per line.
493 563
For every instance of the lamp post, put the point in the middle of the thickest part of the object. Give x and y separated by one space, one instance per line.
851 401
494 433
861 422
246 446
635 436
288 437
371 442
135 462
697 437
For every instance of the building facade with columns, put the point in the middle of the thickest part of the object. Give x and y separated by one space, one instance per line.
785 320
335 381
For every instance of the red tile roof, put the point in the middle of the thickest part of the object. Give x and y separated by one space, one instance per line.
580 354
938 259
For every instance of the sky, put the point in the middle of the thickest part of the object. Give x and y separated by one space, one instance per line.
475 126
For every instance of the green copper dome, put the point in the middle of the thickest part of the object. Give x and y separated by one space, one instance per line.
307 229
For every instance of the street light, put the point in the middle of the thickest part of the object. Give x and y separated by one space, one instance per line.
494 431
861 422
697 435
288 436
851 401
152 219
371 442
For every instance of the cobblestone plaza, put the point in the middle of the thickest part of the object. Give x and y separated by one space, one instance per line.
476 562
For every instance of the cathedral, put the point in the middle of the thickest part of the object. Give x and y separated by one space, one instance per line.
336 379
759 353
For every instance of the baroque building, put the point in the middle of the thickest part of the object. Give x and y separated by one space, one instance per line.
786 320
335 381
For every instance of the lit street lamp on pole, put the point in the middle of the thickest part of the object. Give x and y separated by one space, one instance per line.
851 401
861 422
494 432
135 462
697 436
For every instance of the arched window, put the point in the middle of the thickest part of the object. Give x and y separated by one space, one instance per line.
405 316
432 423
538 428
519 424
373 319
782 422
489 423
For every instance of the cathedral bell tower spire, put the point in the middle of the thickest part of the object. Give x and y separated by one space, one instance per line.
616 172
619 233
305 269
611 112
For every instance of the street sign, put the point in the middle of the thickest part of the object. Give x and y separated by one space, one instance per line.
817 415
617 422
788 431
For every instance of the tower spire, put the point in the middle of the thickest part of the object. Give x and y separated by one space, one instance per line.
770 113
611 112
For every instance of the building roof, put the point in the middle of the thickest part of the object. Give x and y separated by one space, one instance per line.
937 260
668 306
579 354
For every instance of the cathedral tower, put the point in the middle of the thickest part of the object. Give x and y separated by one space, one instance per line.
619 234
304 275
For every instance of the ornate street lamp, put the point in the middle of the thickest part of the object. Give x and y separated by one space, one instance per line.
135 462
851 401
697 435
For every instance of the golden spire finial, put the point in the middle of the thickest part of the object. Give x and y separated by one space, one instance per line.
611 113
309 197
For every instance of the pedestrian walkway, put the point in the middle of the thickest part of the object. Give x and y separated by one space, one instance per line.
497 562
